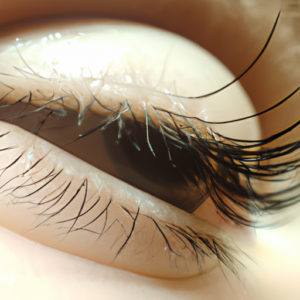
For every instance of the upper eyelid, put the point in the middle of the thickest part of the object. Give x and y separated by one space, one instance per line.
118 110
93 98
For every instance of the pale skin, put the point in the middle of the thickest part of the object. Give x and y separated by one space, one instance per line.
48 272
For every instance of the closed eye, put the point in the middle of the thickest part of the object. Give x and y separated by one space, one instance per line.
83 207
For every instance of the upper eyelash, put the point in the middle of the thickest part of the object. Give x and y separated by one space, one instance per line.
215 156
244 72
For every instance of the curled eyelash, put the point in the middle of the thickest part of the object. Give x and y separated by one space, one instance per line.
233 172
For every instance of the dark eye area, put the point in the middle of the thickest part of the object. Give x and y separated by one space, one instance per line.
166 170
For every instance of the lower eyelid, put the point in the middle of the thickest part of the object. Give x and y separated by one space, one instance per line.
69 205
117 224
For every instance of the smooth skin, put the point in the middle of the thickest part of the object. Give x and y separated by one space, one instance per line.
32 271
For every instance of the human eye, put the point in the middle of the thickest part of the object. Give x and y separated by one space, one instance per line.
18 112
113 110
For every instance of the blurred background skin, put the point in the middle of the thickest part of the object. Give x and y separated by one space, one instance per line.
233 31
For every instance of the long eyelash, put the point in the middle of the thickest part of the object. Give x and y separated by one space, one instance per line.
225 167
245 71
279 103
229 166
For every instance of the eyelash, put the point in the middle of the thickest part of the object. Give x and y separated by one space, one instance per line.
181 241
226 164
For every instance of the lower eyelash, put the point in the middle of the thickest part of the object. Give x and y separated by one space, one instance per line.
182 242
